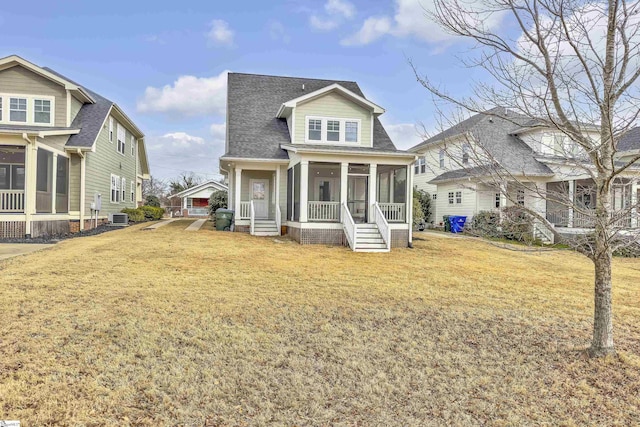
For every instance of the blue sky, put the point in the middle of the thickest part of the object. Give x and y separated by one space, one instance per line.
164 61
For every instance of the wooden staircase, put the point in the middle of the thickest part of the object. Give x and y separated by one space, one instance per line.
265 227
369 239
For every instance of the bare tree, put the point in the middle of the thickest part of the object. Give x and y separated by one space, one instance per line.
184 181
154 187
572 68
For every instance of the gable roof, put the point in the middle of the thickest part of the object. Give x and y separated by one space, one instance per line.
335 87
253 101
494 131
215 184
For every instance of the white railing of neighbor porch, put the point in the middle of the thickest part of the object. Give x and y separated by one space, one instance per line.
349 226
198 211
324 211
252 216
11 200
245 210
278 219
393 212
383 225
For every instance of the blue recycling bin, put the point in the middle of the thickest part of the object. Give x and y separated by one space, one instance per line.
457 223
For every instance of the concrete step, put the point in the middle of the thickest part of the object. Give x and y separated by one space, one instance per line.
364 245
265 233
371 250
378 240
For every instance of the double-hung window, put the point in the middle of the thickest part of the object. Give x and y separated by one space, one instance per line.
421 165
133 145
122 134
110 129
115 189
315 130
18 109
441 155
132 189
333 130
465 153
351 131
434 196
450 197
458 197
497 200
124 190
520 197
42 111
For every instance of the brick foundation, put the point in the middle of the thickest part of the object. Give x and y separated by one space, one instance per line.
12 229
243 228
74 225
399 238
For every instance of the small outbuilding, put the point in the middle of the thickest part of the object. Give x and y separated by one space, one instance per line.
195 200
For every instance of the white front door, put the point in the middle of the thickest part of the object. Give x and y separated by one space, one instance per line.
259 193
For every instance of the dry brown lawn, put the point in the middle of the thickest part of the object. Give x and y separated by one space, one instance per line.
166 327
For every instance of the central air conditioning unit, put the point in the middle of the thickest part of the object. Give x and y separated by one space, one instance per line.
119 219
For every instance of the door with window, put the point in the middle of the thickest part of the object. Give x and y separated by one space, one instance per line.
357 197
259 189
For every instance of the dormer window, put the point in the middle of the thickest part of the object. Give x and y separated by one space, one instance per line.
18 109
315 130
333 130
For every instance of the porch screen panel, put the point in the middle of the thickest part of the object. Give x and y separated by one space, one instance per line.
44 180
296 192
400 185
290 194
11 168
62 185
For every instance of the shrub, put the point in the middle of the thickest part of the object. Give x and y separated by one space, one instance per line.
135 215
418 216
516 224
486 223
152 200
424 199
152 213
218 199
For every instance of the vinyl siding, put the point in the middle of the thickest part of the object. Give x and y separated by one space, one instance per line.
75 108
466 208
106 160
335 106
18 80
74 183
56 142
283 192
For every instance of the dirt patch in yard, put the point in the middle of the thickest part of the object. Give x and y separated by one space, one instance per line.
229 329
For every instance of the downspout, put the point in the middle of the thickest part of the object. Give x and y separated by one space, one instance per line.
30 188
82 189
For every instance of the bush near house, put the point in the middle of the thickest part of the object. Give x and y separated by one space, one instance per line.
218 199
144 213
516 224
424 199
152 200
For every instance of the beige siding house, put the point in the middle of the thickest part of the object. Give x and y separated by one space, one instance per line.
62 149
310 158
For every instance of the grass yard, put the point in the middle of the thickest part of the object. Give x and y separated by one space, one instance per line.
169 327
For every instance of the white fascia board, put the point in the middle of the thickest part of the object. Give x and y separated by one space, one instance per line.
375 108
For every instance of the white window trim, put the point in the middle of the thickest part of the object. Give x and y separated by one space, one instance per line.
6 112
460 198
452 197
121 130
323 138
133 145
132 191
114 185
123 186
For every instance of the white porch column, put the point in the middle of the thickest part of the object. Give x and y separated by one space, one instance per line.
238 191
278 191
539 198
184 203
83 175
231 191
304 190
572 192
634 203
373 185
54 183
410 172
31 160
344 176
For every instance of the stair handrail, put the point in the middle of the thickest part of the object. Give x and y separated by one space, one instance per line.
349 225
278 219
544 230
252 217
383 225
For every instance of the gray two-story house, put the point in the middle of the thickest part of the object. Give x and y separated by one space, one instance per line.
68 156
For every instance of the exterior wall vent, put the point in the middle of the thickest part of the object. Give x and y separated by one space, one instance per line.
119 219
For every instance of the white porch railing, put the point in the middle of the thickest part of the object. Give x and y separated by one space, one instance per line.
198 211
393 212
11 200
323 211
542 230
584 220
383 226
252 216
278 219
349 225
245 210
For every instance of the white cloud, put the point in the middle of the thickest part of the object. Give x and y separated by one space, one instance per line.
411 20
404 135
278 32
372 29
183 139
322 24
188 96
220 33
340 7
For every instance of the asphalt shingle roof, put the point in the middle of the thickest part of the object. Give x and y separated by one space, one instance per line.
493 131
253 101
89 119
630 140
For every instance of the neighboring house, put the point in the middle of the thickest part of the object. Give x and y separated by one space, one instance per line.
454 170
195 200
61 145
311 157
